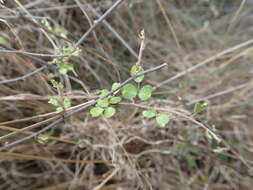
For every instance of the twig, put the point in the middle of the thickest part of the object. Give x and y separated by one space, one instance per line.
43 31
32 157
221 93
24 76
229 50
33 54
116 34
82 108
109 11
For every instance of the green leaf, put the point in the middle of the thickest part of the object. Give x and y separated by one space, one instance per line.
63 70
69 67
53 101
115 85
162 119
59 109
2 40
109 112
198 108
115 100
103 93
96 111
69 49
129 91
135 70
66 103
145 92
103 103
149 113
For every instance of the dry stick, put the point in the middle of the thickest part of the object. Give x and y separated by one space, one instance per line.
236 15
24 76
32 157
43 31
221 93
84 107
116 34
40 123
114 6
29 127
41 62
33 54
6 128
239 46
169 23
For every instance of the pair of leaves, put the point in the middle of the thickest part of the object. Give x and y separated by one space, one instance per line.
97 111
66 104
161 119
106 101
102 105
135 70
129 91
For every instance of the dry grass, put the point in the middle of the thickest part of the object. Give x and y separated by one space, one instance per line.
208 48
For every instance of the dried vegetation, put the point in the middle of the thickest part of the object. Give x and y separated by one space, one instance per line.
208 48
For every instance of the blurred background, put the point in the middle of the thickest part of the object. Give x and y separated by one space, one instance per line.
207 45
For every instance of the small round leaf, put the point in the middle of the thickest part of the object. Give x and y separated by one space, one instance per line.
63 70
59 109
149 113
162 119
145 92
96 111
115 85
53 101
135 70
109 112
103 103
66 103
115 100
129 91
104 93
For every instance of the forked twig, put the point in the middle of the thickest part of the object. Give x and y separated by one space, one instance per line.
109 11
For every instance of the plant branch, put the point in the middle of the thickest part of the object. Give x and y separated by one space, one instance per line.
82 108
24 76
97 22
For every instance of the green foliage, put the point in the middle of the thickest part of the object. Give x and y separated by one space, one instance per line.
61 31
2 40
129 91
135 70
59 109
103 93
53 101
115 100
114 86
162 119
145 92
149 113
109 112
63 62
103 103
66 104
96 111
198 108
